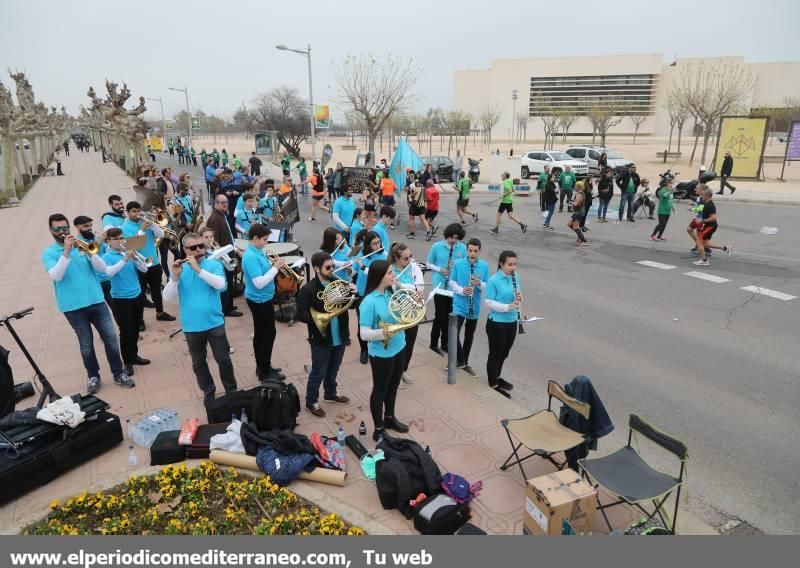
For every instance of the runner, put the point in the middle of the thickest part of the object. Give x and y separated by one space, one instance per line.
704 234
387 188
431 209
464 185
578 208
507 205
416 209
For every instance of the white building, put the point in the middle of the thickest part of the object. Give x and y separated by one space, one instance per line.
643 80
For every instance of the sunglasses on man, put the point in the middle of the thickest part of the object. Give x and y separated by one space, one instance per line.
61 229
200 246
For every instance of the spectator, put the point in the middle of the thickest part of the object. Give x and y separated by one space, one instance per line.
725 173
567 183
628 183
255 164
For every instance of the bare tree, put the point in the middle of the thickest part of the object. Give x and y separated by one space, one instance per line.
566 118
489 117
376 90
549 117
677 116
604 115
522 120
713 91
456 122
283 110
637 115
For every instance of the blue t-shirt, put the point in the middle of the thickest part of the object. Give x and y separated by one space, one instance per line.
375 309
201 306
380 230
131 229
361 277
355 228
268 203
125 283
341 256
79 288
109 220
407 276
460 276
501 289
186 203
211 173
344 207
439 255
101 276
245 219
255 264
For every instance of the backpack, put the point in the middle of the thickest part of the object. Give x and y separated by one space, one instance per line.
275 406
459 488
440 514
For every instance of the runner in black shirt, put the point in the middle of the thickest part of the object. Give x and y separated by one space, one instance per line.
708 210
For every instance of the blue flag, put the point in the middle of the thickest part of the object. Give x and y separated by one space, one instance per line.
404 157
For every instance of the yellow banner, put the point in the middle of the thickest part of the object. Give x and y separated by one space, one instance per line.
322 116
155 144
743 137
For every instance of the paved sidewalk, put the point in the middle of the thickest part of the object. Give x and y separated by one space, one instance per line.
461 423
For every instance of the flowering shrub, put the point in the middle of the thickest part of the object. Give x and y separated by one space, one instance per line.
201 500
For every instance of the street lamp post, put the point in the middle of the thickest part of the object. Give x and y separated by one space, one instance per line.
307 54
185 91
163 123
513 116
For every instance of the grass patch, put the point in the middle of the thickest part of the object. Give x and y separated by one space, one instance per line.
202 500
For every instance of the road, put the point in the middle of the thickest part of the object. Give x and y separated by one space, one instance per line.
708 362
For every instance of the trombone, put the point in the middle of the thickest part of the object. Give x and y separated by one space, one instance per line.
161 219
286 271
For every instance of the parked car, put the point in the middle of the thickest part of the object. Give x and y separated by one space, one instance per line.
442 165
590 154
534 161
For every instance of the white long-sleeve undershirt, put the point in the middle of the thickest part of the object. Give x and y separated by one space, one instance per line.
496 306
264 280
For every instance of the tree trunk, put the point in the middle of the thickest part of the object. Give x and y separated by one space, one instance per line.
635 132
680 135
371 147
669 143
594 134
706 137
694 149
9 186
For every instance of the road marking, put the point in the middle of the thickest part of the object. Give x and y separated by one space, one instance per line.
652 264
768 292
705 276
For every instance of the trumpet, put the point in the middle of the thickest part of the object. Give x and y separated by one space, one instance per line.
286 271
140 258
337 298
89 248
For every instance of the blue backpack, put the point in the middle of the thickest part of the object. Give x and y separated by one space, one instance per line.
459 488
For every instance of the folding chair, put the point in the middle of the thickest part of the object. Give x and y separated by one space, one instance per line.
542 433
626 475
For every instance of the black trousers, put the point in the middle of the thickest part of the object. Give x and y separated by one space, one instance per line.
152 279
443 306
411 339
163 252
462 355
501 339
58 169
227 296
587 206
361 342
263 334
386 374
220 348
661 227
66 150
128 314
106 286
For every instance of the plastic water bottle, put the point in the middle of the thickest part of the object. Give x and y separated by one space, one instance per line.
362 434
129 428
340 436
132 461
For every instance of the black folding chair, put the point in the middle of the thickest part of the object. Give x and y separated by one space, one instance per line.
626 475
542 433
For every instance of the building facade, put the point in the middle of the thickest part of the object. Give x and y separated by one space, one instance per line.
640 83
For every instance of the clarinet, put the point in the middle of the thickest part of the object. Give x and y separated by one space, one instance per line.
520 329
471 296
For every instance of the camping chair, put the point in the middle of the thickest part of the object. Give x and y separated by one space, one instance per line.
542 433
626 475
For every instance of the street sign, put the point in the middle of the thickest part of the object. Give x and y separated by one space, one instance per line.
195 123
168 124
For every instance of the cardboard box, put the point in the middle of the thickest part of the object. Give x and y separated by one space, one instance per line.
555 497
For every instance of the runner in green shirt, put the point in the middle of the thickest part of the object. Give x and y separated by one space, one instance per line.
286 164
567 182
464 186
204 157
541 182
215 155
507 205
224 157
237 163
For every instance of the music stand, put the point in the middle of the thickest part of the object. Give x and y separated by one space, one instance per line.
47 388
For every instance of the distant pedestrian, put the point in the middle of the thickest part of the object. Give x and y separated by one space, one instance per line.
507 205
286 163
602 163
644 198
628 184
303 170
431 209
588 188
255 164
215 156
578 208
237 162
550 200
664 195
224 157
179 151
416 210
458 166
66 147
542 180
338 178
725 173
566 182
605 191
57 158
171 148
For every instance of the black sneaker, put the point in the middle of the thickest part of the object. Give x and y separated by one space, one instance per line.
494 230
504 384
128 370
475 217
376 435
338 399
470 370
523 226
124 381
93 385
140 361
411 236
434 230
164 316
363 358
148 304
502 392
274 374
394 424
316 410
234 314
436 350
427 237
141 326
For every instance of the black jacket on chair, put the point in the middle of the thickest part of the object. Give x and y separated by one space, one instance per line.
306 300
598 425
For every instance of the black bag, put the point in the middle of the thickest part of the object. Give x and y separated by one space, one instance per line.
199 448
275 406
220 409
46 460
165 449
440 514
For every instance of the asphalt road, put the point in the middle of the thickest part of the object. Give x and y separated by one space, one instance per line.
708 362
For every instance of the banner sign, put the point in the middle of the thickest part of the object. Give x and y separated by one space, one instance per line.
355 179
793 146
322 116
744 137
327 152
195 123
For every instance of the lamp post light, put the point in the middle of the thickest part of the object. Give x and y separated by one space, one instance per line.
185 91
307 54
163 123
513 117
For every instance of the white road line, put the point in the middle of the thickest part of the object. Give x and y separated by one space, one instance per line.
652 264
705 276
768 292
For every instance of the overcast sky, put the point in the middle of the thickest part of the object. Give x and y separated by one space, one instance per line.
224 51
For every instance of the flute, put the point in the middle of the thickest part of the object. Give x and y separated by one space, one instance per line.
352 262
520 329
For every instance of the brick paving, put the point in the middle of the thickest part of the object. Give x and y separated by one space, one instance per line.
461 423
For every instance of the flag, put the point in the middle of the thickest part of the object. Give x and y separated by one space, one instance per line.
404 157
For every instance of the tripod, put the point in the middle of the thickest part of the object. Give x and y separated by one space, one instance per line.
47 388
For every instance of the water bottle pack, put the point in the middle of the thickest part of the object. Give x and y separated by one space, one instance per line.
147 428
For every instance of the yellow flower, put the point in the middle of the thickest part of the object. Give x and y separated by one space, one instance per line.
106 521
125 523
54 504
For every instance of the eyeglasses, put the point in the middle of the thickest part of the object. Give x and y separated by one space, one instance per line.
61 229
200 246
327 267
408 257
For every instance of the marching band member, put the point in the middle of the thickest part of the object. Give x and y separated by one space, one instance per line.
80 298
387 361
218 222
327 349
86 235
359 222
468 281
335 244
116 216
370 245
268 203
408 277
185 217
503 298
197 282
247 216
440 260
387 216
344 209
126 294
259 290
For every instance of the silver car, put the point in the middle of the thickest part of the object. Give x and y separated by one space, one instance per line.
591 154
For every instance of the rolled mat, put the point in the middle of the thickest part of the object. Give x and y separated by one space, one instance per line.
242 461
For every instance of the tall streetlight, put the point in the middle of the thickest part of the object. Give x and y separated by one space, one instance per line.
307 53
163 123
185 91
513 116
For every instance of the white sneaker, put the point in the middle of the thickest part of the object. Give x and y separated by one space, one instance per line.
729 250
231 350
407 379
701 262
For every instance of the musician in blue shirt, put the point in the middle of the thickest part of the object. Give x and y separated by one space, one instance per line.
115 217
408 276
343 212
370 252
247 216
80 298
440 260
85 234
387 217
468 281
503 299
359 222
